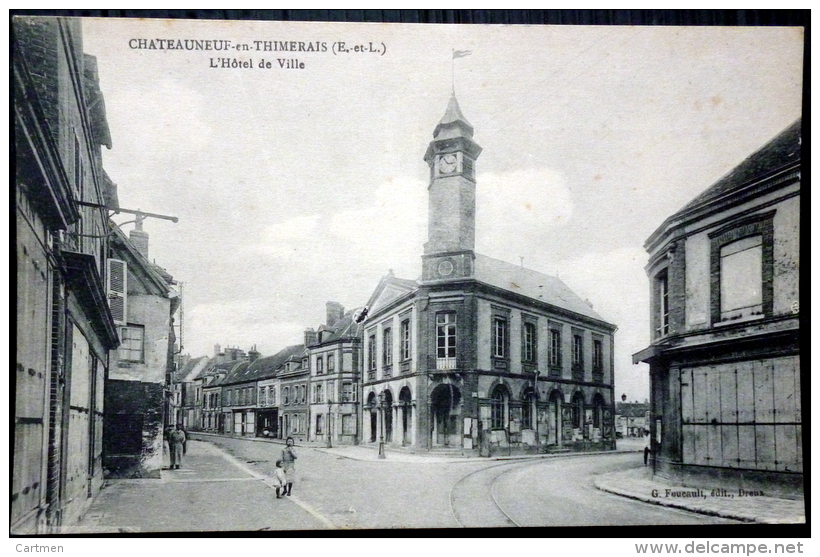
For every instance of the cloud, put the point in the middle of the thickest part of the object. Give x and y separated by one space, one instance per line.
525 205
237 323
282 240
170 112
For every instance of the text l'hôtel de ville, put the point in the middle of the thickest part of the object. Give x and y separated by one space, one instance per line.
230 53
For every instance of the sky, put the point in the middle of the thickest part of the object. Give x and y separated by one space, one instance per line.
294 187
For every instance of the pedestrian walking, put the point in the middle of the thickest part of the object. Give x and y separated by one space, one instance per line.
288 464
646 452
280 480
176 441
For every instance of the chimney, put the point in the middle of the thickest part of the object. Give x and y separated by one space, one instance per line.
139 238
335 310
253 354
311 337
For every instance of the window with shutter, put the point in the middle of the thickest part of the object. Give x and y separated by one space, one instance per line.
117 286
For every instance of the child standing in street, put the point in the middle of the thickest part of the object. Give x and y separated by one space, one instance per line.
279 478
288 463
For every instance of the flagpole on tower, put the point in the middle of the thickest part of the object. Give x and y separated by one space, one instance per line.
453 70
457 54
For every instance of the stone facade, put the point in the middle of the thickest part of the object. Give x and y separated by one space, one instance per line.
725 359
65 328
481 355
334 359
135 392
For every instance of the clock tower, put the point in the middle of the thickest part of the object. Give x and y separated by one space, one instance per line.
451 156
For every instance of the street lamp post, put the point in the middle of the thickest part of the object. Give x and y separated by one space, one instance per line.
381 429
535 411
329 424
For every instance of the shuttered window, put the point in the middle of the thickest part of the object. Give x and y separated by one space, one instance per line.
743 415
117 285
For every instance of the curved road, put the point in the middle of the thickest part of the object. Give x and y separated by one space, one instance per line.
558 492
376 494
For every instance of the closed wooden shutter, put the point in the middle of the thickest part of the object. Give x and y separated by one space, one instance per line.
117 285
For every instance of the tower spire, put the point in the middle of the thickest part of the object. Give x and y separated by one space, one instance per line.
451 155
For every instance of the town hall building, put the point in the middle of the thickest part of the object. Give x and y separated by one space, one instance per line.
481 356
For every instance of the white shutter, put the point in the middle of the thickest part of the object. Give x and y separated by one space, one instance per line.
117 285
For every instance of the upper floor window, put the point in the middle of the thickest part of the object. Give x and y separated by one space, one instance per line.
387 346
263 396
741 278
446 340
286 396
555 348
577 351
371 352
331 363
662 289
499 337
320 365
228 397
597 355
318 395
529 346
405 340
742 269
132 339
348 394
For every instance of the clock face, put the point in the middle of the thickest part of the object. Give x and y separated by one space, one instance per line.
448 163
445 268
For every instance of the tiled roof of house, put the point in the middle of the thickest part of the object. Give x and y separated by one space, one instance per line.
780 152
531 284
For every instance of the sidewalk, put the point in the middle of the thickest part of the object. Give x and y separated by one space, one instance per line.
637 483
212 491
366 453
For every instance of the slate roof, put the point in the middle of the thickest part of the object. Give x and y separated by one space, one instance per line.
782 151
344 328
632 409
531 284
453 118
263 368
513 278
149 270
189 367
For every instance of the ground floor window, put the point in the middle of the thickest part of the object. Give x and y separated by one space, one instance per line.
527 410
578 410
498 416
320 423
349 424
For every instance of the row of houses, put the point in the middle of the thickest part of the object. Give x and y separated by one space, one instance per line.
476 355
94 317
298 392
